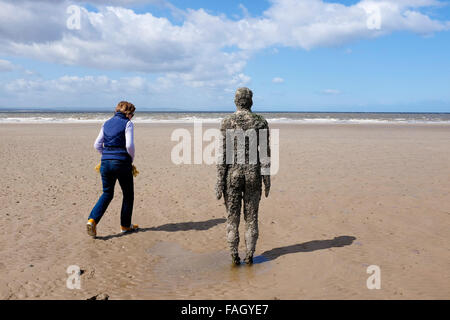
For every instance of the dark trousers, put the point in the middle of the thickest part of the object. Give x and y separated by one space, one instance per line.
112 170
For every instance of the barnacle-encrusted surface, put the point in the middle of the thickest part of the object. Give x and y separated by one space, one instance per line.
241 183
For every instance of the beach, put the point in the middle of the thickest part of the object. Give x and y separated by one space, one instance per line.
346 197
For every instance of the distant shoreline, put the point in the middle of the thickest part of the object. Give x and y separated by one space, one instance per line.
222 111
216 117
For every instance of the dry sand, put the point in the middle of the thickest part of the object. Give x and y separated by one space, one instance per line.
345 197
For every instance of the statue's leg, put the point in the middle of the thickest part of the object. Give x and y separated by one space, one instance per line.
252 196
233 204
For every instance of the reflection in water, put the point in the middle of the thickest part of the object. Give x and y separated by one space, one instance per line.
180 268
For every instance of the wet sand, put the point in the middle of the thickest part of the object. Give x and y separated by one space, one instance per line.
345 197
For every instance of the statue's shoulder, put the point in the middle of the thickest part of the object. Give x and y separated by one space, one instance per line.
228 121
259 121
244 120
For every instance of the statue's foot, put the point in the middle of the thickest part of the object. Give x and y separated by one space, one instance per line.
235 259
249 259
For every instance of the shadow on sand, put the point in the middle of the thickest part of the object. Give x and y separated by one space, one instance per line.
304 247
173 227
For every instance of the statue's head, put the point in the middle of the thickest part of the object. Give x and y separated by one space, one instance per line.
243 98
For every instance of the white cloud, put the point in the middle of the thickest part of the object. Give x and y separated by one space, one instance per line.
75 84
6 66
39 27
277 80
314 23
195 52
94 2
331 91
244 10
74 91
118 38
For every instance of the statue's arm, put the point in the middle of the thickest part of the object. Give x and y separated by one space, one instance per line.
221 164
265 163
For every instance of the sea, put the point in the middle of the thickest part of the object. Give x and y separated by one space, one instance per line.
216 117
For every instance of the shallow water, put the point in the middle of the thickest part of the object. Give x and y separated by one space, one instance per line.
179 268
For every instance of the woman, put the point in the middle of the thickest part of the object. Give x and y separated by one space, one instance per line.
116 145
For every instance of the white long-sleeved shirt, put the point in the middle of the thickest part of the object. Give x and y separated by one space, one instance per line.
129 140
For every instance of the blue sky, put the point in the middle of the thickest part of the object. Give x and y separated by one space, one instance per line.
296 55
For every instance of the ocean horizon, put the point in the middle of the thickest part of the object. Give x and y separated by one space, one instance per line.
305 117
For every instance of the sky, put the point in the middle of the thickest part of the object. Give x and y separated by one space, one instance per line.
295 55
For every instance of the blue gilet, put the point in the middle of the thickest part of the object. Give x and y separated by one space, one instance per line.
114 143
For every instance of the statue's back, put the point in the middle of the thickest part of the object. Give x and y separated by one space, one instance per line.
238 126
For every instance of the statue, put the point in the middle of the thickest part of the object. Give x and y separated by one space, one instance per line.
240 180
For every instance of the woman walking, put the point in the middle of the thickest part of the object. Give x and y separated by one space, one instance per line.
115 143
